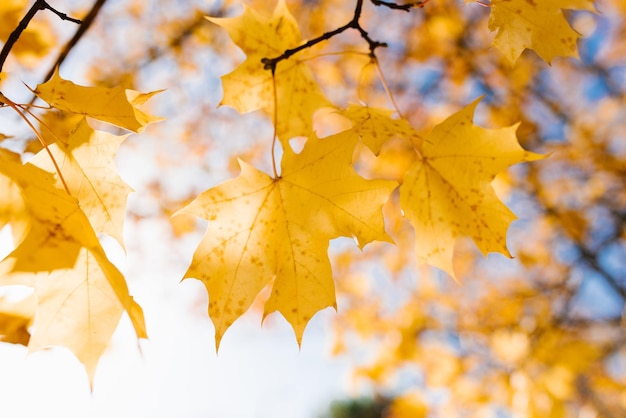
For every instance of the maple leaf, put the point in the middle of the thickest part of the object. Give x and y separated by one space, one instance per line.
57 239
116 105
53 125
11 203
250 87
376 126
56 225
86 159
447 193
535 24
260 228
78 308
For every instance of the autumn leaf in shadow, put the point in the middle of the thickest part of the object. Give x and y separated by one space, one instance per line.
447 193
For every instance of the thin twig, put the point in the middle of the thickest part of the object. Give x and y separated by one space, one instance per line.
387 89
15 35
61 15
87 22
270 63
592 260
406 7
587 255
23 24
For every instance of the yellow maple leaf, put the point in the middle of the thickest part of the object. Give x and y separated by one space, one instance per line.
78 308
249 87
535 24
57 235
116 105
447 193
376 126
11 202
56 225
262 228
53 125
86 159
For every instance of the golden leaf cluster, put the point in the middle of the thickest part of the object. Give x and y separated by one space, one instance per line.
260 226
425 186
56 204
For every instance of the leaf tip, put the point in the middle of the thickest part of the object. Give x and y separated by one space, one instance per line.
533 156
218 340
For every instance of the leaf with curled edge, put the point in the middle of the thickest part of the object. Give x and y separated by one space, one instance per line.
250 87
115 105
447 193
262 228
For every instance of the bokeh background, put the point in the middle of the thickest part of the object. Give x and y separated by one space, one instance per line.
541 335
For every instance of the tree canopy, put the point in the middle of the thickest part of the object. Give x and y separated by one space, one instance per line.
473 151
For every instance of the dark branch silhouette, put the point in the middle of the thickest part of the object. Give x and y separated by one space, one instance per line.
406 7
270 63
23 24
86 24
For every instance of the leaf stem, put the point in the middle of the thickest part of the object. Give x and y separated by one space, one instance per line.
16 107
360 82
386 87
275 123
86 24
415 141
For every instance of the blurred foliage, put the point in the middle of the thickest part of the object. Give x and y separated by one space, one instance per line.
542 335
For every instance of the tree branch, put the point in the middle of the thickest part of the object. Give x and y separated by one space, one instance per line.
587 255
61 15
23 24
591 259
86 24
406 7
15 35
270 63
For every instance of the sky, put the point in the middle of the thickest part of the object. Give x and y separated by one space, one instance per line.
258 373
